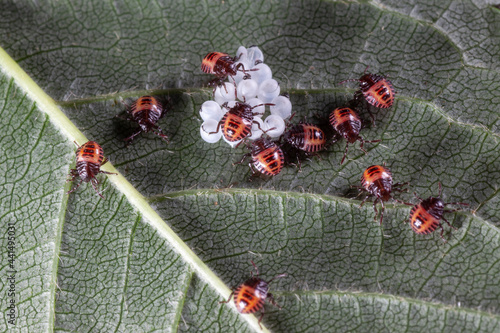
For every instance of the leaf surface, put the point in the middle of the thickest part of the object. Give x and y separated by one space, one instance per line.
125 263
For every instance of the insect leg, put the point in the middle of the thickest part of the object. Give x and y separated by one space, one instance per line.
95 183
364 200
217 129
455 203
160 133
129 140
416 196
74 188
73 173
345 152
398 187
256 269
106 172
442 231
270 299
382 211
448 223
244 157
229 299
363 141
403 202
262 312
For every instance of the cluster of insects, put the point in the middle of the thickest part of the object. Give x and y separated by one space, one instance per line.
238 112
238 121
267 156
425 217
146 111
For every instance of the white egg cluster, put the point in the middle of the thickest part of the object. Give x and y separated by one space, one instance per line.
260 88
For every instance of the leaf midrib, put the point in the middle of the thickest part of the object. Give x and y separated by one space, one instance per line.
47 105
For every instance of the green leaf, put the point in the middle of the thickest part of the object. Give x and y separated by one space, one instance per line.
180 223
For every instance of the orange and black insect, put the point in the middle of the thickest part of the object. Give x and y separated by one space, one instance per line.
377 181
89 159
377 90
146 112
346 122
426 216
237 122
222 65
249 297
267 157
307 137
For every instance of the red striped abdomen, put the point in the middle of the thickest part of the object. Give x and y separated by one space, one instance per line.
146 108
267 157
421 221
234 127
90 152
346 122
250 296
306 137
378 181
208 64
246 301
378 91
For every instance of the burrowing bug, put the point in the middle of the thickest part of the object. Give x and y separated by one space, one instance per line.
307 137
377 181
237 122
146 112
222 65
376 89
346 122
426 216
249 297
89 159
267 157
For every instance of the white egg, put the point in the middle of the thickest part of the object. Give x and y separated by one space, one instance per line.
254 54
282 107
211 110
262 73
247 89
258 111
225 93
268 90
274 126
206 130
